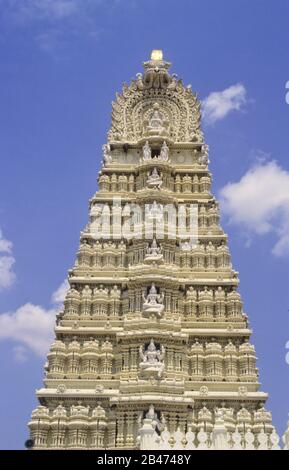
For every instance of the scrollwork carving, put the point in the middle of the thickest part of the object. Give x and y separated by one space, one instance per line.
177 105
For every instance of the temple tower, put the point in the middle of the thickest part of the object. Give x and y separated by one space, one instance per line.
153 324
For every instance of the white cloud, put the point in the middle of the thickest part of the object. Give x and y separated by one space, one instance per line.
31 326
7 260
59 295
287 355
54 24
20 353
54 8
5 245
28 10
259 203
54 11
220 103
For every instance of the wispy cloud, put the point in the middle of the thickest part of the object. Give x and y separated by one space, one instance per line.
259 203
36 10
54 23
59 295
31 326
7 260
220 103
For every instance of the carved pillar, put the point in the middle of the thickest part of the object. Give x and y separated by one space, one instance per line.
98 427
120 430
129 441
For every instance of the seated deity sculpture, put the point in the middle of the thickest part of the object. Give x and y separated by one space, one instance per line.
156 124
191 294
153 302
147 151
115 293
185 246
154 179
154 251
152 360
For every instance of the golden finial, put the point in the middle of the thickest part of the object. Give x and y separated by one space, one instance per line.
157 55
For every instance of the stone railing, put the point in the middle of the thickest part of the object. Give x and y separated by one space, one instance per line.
218 439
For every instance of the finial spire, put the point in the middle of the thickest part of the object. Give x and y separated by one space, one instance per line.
157 55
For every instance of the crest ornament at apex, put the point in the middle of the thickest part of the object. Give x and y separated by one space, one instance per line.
156 101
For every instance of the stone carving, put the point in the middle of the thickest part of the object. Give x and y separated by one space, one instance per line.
155 212
154 252
204 391
219 434
106 152
153 303
156 75
79 410
154 179
164 155
191 300
218 439
60 411
152 360
285 438
243 391
147 152
274 441
40 412
156 124
220 302
204 157
61 389
179 108
115 295
151 414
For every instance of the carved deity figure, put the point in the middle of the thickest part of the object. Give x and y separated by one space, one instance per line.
191 294
60 411
164 155
151 413
154 179
153 302
156 125
155 212
115 295
154 251
147 152
191 301
152 359
220 301
204 158
106 152
79 410
156 121
153 417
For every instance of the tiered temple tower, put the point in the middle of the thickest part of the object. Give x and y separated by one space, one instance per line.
152 322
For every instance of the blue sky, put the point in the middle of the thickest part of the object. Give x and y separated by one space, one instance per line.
61 62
